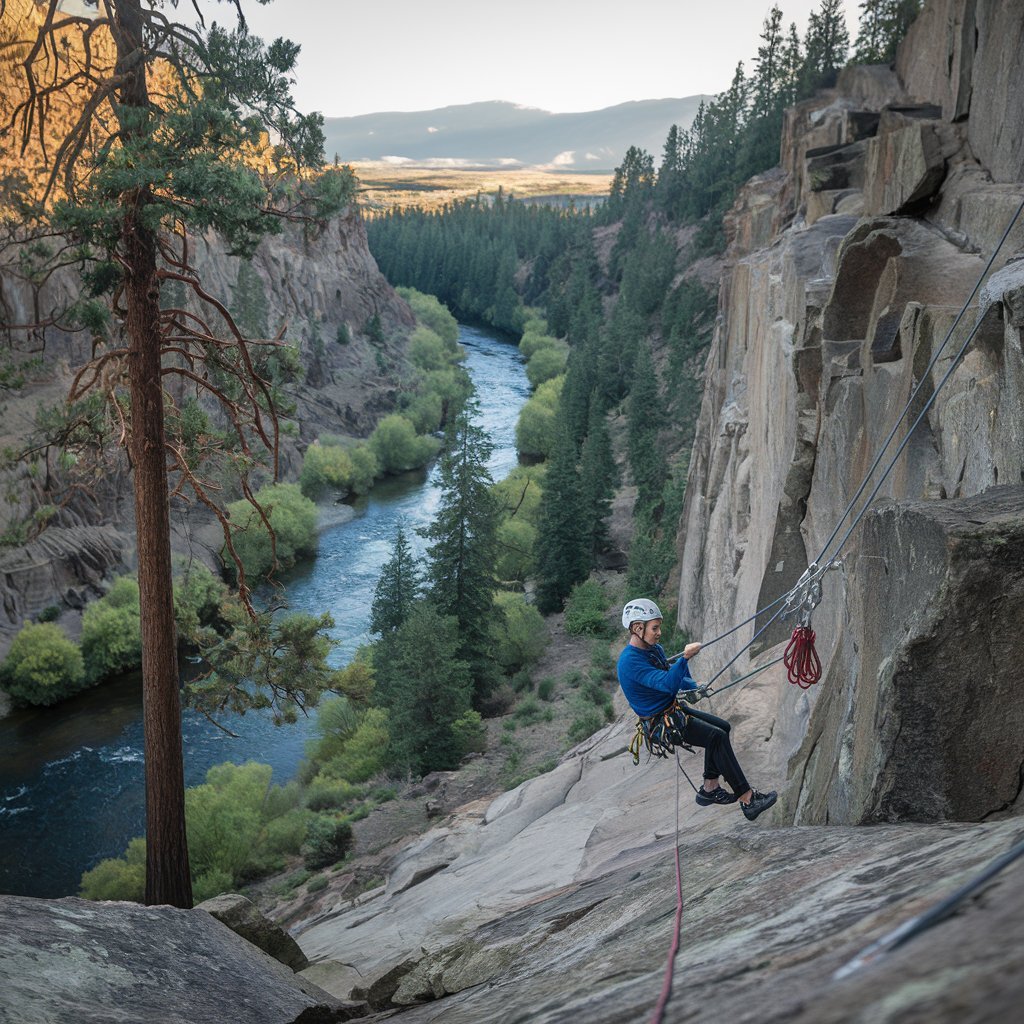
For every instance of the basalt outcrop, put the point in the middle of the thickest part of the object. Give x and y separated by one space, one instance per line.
322 288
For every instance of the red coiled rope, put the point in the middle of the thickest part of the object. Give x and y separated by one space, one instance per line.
802 659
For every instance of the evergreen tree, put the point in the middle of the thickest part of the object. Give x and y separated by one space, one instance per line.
563 536
768 65
598 477
461 559
882 25
397 588
645 416
827 43
426 688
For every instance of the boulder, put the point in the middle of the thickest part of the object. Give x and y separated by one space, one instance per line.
245 919
94 963
906 162
920 718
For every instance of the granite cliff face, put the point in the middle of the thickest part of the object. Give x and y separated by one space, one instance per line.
320 287
848 270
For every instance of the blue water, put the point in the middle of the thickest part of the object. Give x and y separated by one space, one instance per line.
71 777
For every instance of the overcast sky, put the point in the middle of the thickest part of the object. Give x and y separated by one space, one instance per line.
560 55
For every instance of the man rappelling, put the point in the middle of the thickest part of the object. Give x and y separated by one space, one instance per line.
651 684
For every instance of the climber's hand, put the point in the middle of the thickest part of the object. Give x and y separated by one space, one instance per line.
690 650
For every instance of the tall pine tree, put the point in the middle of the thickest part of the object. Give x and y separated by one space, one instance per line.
564 535
461 559
598 477
397 588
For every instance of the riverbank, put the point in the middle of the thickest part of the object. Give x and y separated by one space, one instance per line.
90 791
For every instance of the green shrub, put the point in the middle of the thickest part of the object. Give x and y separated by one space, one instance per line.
344 334
518 494
427 351
519 634
49 614
293 518
365 468
118 878
535 429
287 833
224 818
586 721
529 711
451 385
516 541
42 666
111 641
397 446
546 688
357 753
330 794
328 839
111 631
325 468
533 341
211 883
469 734
547 363
197 598
425 411
317 883
431 312
585 610
521 681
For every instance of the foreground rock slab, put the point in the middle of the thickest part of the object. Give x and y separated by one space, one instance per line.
769 916
64 961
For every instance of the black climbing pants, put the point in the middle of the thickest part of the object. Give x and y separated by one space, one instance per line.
712 733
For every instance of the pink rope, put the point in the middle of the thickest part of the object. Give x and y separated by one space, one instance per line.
666 988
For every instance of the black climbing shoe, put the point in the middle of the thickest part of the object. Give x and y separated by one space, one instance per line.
716 796
758 802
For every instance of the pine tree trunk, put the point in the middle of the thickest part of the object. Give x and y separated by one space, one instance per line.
167 870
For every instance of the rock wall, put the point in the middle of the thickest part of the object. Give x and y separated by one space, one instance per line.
315 285
895 189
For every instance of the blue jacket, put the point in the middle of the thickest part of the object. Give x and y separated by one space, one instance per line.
649 682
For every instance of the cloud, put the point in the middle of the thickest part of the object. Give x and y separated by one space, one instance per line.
433 130
564 159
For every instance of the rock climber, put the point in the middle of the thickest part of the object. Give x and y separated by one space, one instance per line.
650 684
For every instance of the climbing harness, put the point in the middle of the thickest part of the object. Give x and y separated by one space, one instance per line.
660 733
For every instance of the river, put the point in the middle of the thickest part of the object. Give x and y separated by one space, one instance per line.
71 777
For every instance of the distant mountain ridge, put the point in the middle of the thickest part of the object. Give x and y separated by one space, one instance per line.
500 134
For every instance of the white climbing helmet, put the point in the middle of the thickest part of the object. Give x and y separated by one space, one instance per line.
640 610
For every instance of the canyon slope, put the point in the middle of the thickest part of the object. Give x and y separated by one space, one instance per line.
322 288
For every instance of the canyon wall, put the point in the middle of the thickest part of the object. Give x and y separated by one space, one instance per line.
321 287
848 270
